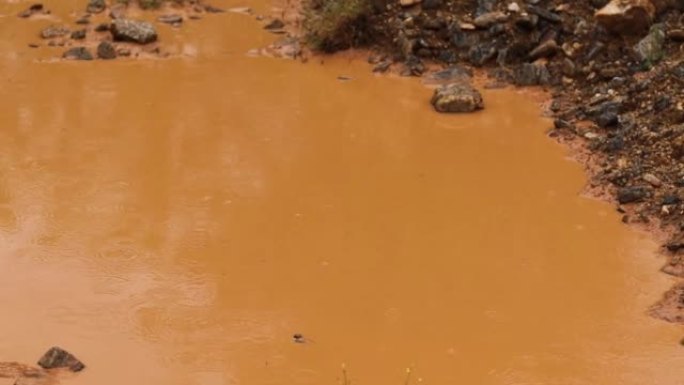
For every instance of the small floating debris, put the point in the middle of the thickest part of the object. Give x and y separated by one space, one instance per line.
298 338
344 78
241 10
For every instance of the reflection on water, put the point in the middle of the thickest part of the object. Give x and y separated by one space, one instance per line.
177 221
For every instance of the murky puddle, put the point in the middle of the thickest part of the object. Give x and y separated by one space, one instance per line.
177 221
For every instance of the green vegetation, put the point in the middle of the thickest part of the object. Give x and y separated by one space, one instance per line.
332 25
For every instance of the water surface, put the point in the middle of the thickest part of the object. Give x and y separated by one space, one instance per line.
177 221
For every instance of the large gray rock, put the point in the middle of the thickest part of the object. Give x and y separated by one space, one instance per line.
59 358
627 16
457 97
135 31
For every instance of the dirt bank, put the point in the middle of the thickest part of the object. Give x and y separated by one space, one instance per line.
616 93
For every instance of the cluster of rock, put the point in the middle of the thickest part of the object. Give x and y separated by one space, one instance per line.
615 69
122 36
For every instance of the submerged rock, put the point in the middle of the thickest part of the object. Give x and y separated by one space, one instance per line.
135 31
78 53
627 16
456 98
57 357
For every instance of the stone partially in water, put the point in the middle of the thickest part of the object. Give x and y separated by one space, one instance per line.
456 98
173 19
32 10
135 31
79 34
57 357
54 31
78 53
106 51
96 6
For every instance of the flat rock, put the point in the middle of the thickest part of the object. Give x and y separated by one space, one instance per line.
135 31
488 19
449 75
173 19
57 357
78 53
54 31
408 3
457 98
627 16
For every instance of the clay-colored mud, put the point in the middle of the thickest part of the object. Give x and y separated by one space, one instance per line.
176 221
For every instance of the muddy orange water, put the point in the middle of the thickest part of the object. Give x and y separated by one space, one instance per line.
177 221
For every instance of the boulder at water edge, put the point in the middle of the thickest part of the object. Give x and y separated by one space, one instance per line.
457 97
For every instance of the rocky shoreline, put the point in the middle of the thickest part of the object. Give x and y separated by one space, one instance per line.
614 69
106 30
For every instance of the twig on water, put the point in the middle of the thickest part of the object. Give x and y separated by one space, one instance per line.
345 379
408 376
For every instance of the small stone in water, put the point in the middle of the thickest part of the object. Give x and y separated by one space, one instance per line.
59 358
